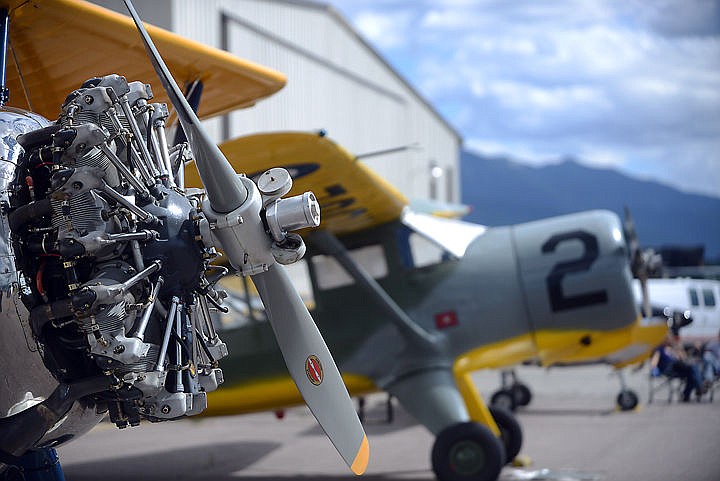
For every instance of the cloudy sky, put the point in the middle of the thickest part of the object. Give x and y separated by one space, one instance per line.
626 84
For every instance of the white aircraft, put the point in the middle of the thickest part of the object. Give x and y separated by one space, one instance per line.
698 297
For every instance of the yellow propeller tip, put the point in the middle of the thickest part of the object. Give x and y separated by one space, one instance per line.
362 457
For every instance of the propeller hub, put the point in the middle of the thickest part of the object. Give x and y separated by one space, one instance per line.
176 247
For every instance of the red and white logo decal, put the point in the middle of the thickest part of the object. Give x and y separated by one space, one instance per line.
446 319
314 370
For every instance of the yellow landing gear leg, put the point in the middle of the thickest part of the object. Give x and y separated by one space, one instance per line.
476 406
500 421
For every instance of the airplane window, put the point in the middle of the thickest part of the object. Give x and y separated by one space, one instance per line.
424 252
244 303
300 277
452 235
330 274
694 300
708 298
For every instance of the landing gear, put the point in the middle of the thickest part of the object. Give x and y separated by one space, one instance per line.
513 392
522 394
389 410
504 399
445 402
467 452
510 431
626 400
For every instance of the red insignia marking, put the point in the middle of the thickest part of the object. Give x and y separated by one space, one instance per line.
446 319
314 370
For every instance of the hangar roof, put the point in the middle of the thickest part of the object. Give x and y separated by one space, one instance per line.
329 9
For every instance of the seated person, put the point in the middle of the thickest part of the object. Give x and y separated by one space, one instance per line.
671 361
711 361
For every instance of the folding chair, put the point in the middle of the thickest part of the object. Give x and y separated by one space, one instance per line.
673 385
714 386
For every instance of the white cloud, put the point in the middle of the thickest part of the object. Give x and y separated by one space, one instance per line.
519 152
382 29
652 86
591 155
447 19
627 83
486 146
529 97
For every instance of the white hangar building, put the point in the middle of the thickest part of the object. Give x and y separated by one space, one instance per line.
336 81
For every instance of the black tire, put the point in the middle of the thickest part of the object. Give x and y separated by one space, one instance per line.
504 398
627 400
467 452
522 394
510 431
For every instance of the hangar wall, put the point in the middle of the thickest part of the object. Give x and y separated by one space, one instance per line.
336 82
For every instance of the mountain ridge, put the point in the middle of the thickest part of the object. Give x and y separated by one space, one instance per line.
502 191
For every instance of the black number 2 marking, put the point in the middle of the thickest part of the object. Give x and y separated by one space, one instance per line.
558 300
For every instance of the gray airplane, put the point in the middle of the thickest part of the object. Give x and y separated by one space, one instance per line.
412 303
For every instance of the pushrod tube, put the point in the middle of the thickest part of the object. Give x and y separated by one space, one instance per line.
4 30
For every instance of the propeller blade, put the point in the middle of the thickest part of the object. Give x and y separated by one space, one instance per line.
631 234
312 367
638 263
306 355
645 297
225 191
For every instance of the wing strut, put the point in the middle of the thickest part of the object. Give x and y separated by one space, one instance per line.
407 327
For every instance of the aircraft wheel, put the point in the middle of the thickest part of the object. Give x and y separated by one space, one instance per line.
522 394
467 452
504 398
510 431
627 400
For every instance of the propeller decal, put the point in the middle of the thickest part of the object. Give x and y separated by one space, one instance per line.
314 370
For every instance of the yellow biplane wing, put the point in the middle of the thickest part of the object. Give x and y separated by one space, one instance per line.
55 45
352 197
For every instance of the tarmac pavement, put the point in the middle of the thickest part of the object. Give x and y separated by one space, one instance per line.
571 432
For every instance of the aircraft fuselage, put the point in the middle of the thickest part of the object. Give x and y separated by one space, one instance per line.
555 289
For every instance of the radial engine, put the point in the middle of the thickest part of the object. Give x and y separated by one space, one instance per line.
113 256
